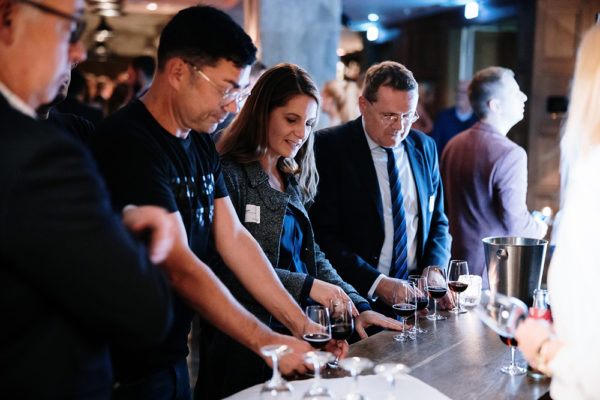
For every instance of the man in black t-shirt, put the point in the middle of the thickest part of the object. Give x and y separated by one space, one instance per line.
151 152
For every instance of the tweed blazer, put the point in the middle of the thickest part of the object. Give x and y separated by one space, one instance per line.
262 209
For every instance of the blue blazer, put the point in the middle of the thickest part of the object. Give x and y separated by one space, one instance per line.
347 214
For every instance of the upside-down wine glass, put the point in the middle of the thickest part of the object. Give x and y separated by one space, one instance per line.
355 365
317 359
391 371
276 387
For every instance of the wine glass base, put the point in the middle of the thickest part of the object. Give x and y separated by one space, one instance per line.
417 331
355 396
458 310
404 337
317 393
435 317
276 390
513 370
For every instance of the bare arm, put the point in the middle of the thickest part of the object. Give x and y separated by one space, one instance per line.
244 257
203 291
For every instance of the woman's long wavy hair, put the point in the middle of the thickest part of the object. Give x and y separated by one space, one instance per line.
245 140
581 131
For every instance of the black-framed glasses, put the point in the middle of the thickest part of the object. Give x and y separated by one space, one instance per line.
227 96
391 118
79 22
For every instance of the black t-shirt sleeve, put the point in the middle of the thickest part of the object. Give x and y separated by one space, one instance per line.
135 169
220 187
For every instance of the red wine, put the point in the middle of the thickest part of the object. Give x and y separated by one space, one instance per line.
508 341
437 292
317 340
404 309
342 331
422 303
457 287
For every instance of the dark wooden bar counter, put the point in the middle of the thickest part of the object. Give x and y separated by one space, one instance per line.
459 356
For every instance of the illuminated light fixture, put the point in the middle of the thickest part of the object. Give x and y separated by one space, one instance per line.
372 33
151 6
103 31
471 10
373 17
340 52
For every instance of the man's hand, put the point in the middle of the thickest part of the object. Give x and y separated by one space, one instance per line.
530 334
156 222
370 318
387 286
446 302
338 348
323 292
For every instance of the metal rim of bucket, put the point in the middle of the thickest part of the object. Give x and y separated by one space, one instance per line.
536 242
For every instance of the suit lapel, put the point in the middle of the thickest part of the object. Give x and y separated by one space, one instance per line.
360 157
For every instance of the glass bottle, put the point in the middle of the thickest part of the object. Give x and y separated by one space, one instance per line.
540 309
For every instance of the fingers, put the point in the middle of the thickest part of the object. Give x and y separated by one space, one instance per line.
359 328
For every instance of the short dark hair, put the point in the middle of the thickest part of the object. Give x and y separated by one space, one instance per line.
246 139
485 86
204 35
387 73
145 64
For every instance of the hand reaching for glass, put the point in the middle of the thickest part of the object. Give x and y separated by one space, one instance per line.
324 292
292 362
373 318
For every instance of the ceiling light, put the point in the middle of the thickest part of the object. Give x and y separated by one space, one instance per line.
372 33
471 10
373 17
151 6
103 31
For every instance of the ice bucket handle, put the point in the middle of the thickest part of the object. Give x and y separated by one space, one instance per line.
502 254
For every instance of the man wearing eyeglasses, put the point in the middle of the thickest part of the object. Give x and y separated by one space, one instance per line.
71 275
379 212
156 150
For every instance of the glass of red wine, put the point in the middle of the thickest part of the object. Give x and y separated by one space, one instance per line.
317 327
405 305
458 270
342 321
420 283
436 288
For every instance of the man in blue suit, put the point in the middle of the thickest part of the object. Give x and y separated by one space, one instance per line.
379 213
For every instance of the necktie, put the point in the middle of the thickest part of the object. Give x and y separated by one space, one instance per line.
399 267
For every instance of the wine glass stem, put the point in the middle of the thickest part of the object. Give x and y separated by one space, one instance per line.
317 374
354 374
416 321
512 356
458 301
276 375
435 307
403 319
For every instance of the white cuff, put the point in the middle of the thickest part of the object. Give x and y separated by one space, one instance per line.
371 293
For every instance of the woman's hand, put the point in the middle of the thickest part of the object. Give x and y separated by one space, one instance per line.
322 292
530 335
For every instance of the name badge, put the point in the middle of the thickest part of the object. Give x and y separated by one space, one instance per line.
252 214
431 203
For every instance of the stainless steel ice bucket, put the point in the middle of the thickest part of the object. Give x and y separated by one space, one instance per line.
515 265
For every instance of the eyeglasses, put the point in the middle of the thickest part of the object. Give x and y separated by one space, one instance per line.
227 96
391 118
79 22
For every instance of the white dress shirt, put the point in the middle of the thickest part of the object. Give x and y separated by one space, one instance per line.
16 103
410 202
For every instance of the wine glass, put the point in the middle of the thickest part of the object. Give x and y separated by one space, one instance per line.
502 314
420 283
317 327
318 359
276 387
405 305
342 321
456 270
390 371
355 365
436 288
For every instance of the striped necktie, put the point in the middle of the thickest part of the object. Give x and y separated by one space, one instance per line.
399 267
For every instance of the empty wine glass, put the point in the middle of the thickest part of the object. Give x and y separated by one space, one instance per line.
436 288
276 387
420 283
405 305
342 321
391 371
355 365
317 327
502 314
317 359
456 270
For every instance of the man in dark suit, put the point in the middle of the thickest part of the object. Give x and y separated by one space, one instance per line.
375 229
485 173
72 279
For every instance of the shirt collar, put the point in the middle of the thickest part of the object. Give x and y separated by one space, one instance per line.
16 103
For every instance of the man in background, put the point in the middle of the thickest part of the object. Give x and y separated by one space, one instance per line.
485 173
